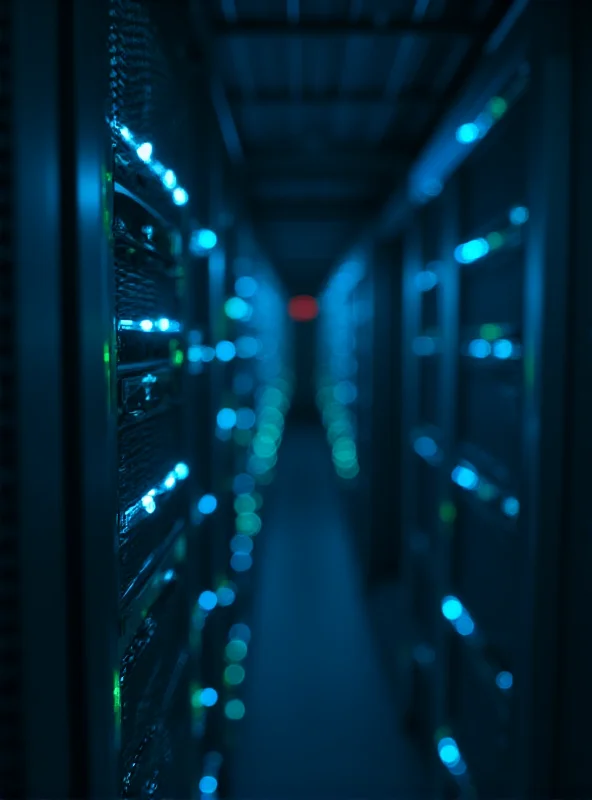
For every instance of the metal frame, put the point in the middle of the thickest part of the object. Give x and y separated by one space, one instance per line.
545 353
572 773
260 26
88 396
42 484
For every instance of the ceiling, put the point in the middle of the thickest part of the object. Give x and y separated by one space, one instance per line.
323 104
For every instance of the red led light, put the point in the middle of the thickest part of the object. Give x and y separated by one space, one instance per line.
303 308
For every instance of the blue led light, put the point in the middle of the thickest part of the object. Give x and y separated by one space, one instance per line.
208 354
207 504
425 447
511 506
426 280
519 215
226 596
245 419
245 286
465 477
240 632
225 351
208 600
467 133
241 562
208 697
479 348
471 251
182 471
243 484
247 347
448 751
450 756
504 680
180 196
452 608
503 349
241 543
226 418
464 624
236 308
208 784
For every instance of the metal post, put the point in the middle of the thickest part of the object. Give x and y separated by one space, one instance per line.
545 325
39 763
89 498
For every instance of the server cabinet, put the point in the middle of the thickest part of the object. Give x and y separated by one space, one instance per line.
249 348
160 446
485 327
352 378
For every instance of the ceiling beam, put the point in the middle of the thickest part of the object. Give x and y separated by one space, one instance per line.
261 26
312 210
332 97
228 129
356 162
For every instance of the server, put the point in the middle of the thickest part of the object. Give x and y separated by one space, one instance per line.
491 286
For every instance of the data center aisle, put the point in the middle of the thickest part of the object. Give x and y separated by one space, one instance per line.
319 721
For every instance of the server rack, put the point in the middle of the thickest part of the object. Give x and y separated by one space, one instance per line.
349 383
249 350
149 244
485 326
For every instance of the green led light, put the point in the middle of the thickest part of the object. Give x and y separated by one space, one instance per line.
245 504
497 107
116 694
234 675
196 697
495 240
236 650
181 549
447 512
235 709
489 332
248 523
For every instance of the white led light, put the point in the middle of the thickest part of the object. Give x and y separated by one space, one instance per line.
147 504
169 179
144 152
162 325
180 197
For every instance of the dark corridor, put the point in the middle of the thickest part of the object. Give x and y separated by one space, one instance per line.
295 391
320 725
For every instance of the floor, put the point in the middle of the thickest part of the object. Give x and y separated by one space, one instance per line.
320 724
